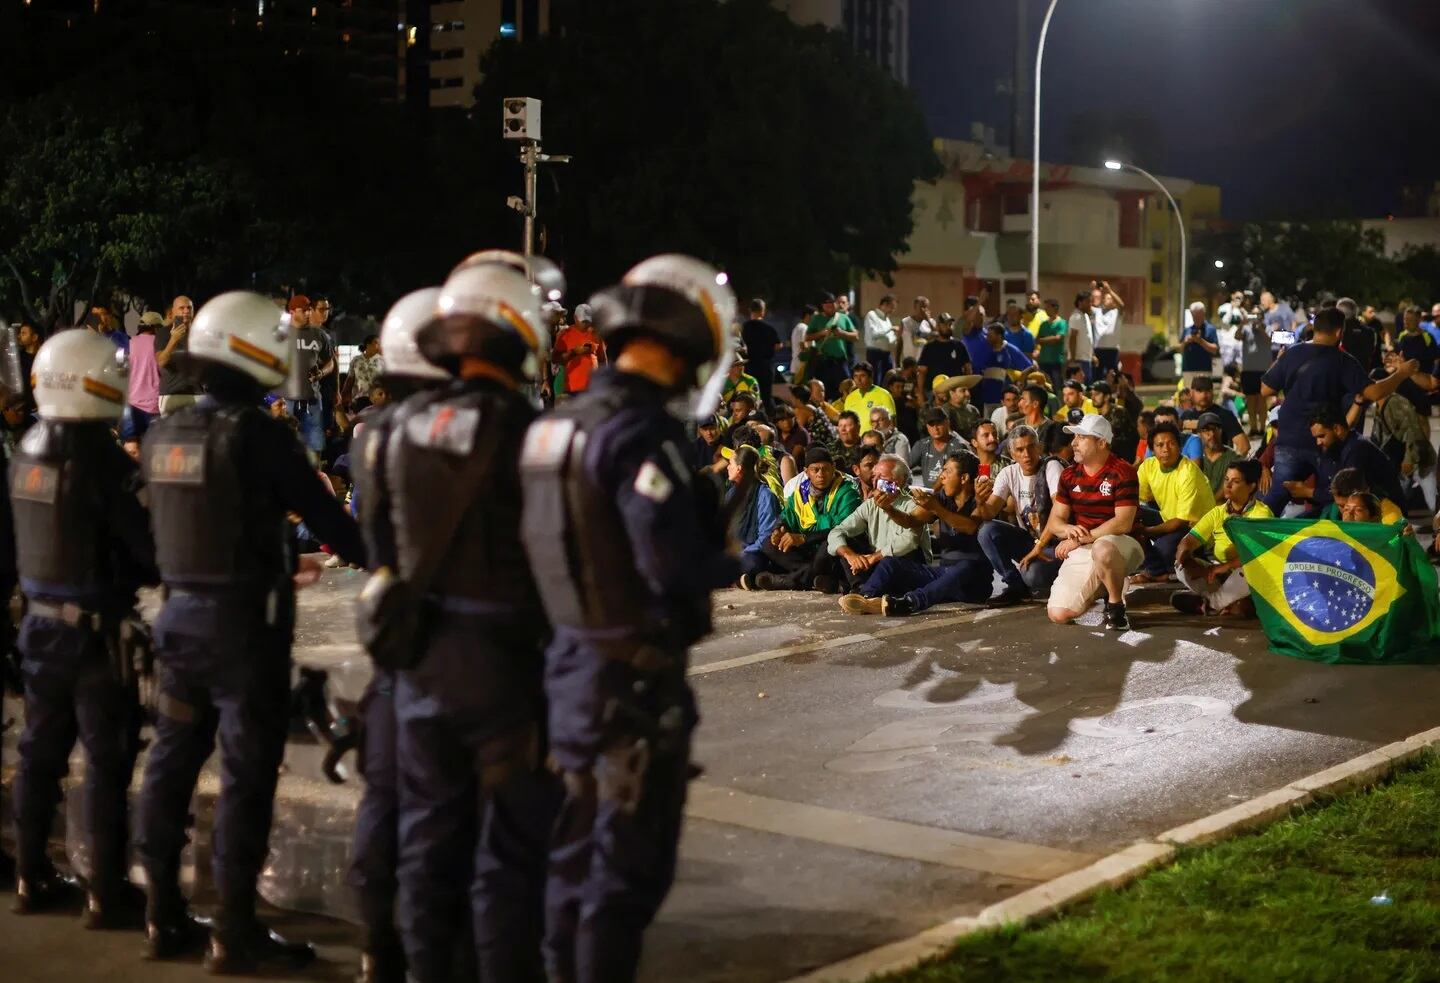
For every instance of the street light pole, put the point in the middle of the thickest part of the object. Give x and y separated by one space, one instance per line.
1116 165
1035 163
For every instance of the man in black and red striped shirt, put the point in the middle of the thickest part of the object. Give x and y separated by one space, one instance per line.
1094 509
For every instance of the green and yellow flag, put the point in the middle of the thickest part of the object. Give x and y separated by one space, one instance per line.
1326 591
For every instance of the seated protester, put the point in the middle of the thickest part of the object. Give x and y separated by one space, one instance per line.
1025 490
1123 388
1404 436
864 470
1340 447
1218 586
1007 410
1072 397
794 555
987 450
1363 507
758 436
1032 404
705 448
904 585
809 417
782 465
907 413
928 456
881 527
883 423
953 398
794 438
1100 493
1144 423
756 510
1181 495
1202 392
739 381
742 411
1190 446
847 439
864 397
1121 422
1349 482
1215 457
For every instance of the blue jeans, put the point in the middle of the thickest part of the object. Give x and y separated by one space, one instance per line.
1291 464
312 427
1004 545
967 579
1109 359
880 360
1160 553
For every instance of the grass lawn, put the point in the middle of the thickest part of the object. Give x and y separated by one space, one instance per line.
1291 902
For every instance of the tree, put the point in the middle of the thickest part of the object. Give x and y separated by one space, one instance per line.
1306 259
718 129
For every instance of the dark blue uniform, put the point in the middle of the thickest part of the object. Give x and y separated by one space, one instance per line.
221 479
476 802
84 547
626 563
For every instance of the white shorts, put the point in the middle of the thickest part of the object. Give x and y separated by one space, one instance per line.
1078 583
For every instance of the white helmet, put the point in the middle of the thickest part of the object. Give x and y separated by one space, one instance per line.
489 311
246 332
685 302
80 375
397 335
539 270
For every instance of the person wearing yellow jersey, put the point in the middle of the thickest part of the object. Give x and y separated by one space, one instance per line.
1181 495
1219 587
1349 482
866 395
1072 397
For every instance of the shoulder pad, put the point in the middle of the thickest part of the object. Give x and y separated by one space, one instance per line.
443 427
547 442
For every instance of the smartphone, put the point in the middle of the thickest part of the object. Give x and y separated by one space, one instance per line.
887 486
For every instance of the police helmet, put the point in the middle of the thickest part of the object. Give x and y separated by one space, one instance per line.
685 303
542 272
80 375
397 335
490 312
246 332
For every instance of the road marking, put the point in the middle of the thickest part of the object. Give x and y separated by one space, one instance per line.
888 837
805 648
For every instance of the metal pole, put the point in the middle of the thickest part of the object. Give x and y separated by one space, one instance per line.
1180 221
1035 164
529 157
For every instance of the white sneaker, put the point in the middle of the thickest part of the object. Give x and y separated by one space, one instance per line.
334 562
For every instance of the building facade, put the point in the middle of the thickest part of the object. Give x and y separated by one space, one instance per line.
972 230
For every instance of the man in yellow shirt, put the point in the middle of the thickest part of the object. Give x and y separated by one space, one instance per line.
1182 496
866 395
1220 587
1072 397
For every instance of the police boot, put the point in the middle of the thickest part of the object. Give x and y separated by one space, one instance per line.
243 950
121 906
170 929
52 891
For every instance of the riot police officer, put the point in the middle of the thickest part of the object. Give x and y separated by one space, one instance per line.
221 476
83 547
625 559
456 614
376 850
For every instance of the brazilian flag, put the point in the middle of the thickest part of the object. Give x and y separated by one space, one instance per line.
1356 592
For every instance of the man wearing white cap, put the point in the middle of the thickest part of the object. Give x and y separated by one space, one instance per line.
1093 512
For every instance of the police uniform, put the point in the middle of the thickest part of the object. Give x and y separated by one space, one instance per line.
222 476
626 562
83 546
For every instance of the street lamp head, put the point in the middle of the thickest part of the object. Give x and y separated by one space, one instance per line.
1219 264
1113 165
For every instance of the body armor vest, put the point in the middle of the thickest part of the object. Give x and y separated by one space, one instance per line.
58 506
213 527
455 498
579 552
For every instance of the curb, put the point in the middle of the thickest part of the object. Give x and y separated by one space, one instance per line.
1125 865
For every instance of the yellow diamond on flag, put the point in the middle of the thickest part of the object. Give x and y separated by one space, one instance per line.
1325 584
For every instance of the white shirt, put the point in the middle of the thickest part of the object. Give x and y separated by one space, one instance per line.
1014 483
797 345
1080 329
1106 327
999 418
879 332
912 335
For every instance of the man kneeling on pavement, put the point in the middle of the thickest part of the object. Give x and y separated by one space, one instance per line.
1216 583
886 548
1092 517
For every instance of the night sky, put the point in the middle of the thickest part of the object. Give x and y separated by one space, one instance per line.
1296 108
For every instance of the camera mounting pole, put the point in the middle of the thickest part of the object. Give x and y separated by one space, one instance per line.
521 121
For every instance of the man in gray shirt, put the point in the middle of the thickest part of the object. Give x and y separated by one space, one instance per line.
316 356
927 456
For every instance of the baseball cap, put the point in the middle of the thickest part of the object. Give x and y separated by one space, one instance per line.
584 313
947 318
1093 425
152 319
1101 386
1209 420
298 302
1074 384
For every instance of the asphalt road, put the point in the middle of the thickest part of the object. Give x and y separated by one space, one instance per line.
866 778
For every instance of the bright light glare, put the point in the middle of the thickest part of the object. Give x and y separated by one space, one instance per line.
554 295
1113 165
1219 264
722 278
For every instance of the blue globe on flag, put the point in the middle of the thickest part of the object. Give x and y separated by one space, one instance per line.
1328 584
